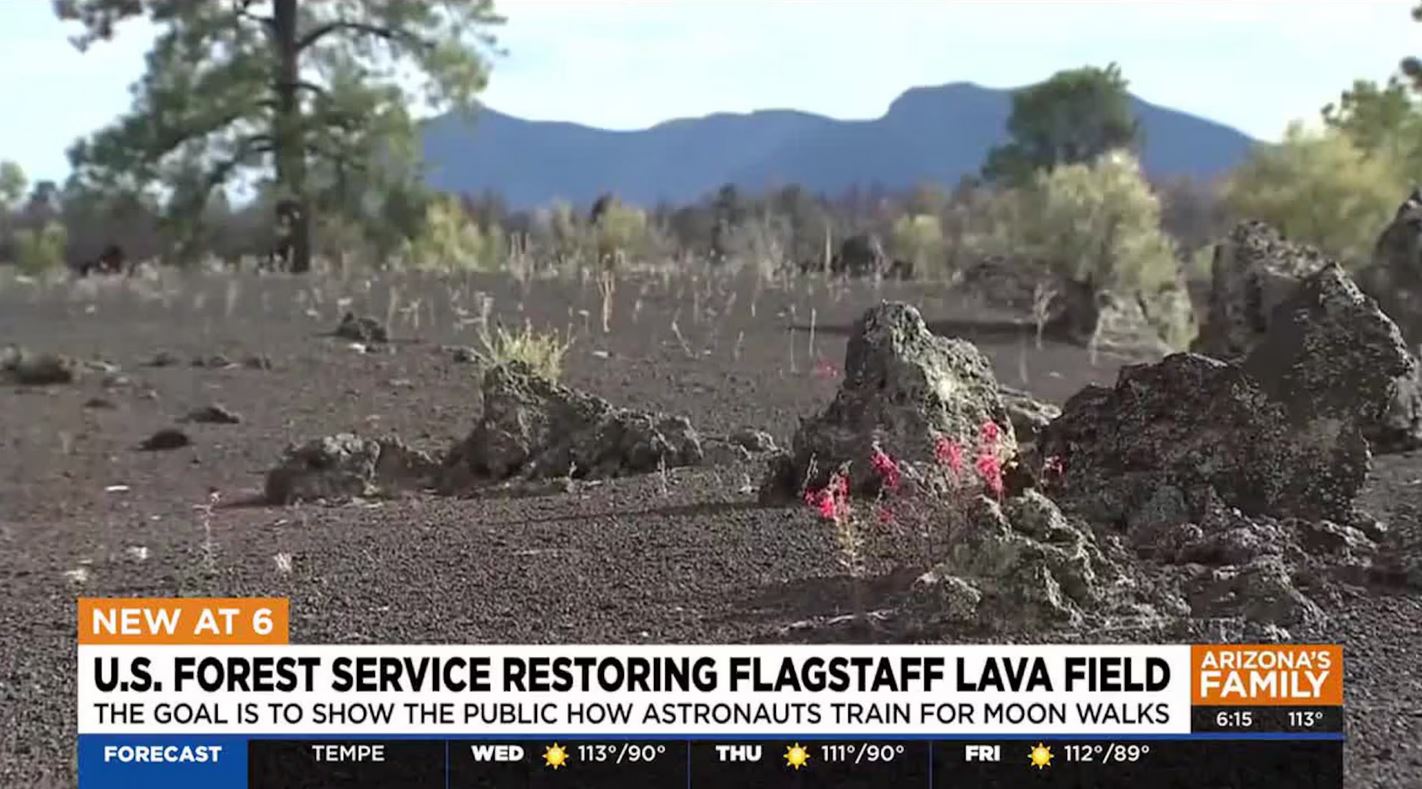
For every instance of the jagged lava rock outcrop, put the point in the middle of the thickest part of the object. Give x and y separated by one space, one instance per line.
346 466
539 428
904 388
1279 434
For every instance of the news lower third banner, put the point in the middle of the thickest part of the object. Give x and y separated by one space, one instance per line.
209 692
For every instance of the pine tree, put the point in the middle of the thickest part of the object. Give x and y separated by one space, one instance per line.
303 92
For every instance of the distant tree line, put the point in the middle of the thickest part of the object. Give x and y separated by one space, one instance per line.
283 144
1068 164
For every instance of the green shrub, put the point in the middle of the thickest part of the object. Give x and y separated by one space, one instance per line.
451 240
619 233
1097 224
1321 188
42 250
918 238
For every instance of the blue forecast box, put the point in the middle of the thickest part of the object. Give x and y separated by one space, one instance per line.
162 761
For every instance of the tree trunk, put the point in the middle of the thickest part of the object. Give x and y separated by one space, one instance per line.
288 136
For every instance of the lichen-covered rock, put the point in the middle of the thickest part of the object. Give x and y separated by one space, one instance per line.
1337 363
1015 566
1394 277
539 428
1330 353
1255 270
1224 536
947 597
1038 517
1027 414
362 328
1262 591
1185 422
1327 537
346 466
38 369
904 388
1343 371
1279 434
1399 429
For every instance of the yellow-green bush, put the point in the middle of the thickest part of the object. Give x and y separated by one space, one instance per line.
620 232
1321 188
38 251
1097 224
918 238
451 240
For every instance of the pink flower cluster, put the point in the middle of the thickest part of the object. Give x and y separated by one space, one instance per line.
825 370
989 467
949 454
831 501
887 468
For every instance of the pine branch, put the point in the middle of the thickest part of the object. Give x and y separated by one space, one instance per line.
388 33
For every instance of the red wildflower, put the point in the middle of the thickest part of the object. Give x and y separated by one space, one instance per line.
947 452
990 469
989 432
831 501
887 468
886 516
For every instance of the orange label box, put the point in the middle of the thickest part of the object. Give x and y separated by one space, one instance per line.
1306 675
183 620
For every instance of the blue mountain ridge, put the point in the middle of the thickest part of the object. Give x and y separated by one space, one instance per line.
929 134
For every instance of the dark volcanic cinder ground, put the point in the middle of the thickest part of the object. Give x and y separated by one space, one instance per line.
686 558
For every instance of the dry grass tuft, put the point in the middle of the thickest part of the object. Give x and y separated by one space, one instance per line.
543 352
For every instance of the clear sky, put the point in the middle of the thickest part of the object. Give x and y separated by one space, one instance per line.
1252 64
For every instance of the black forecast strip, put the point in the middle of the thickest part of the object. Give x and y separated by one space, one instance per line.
1315 763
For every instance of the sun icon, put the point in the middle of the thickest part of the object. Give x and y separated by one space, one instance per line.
1040 755
555 756
796 756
